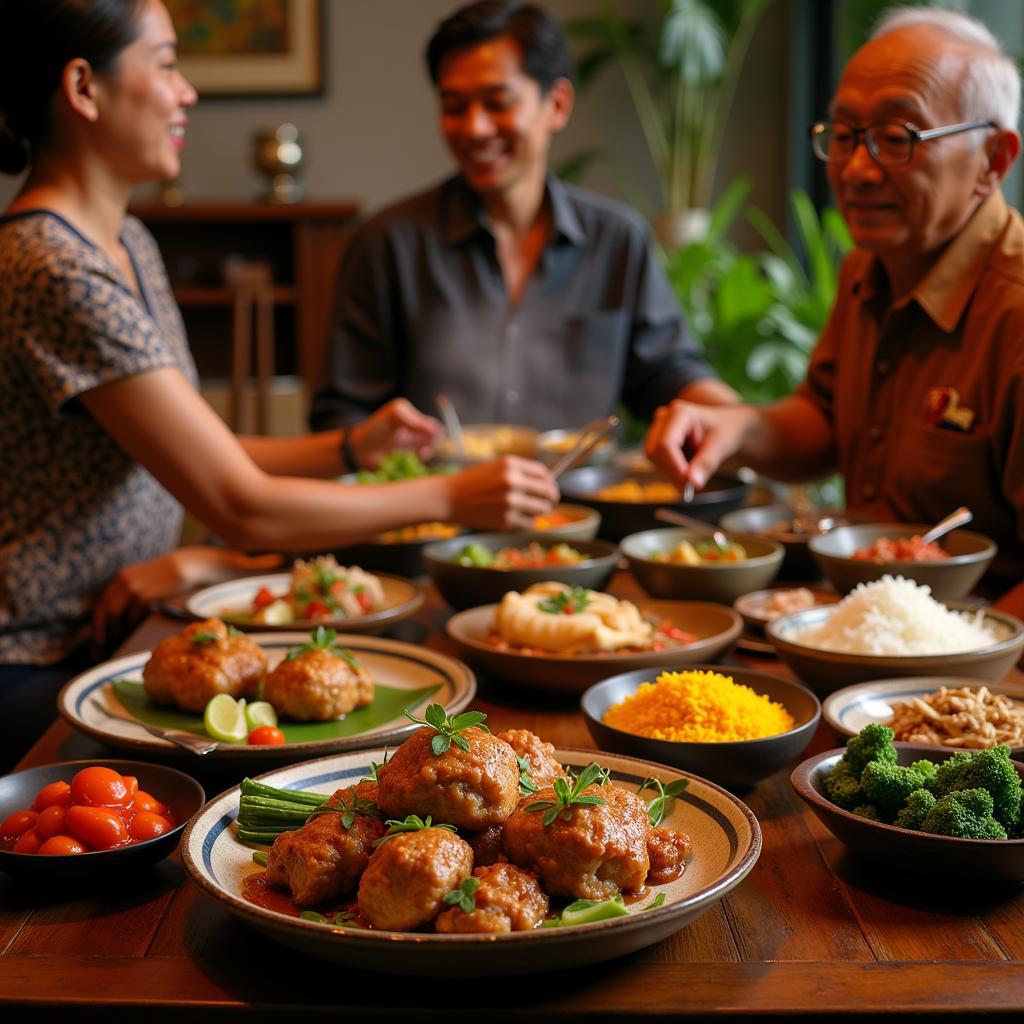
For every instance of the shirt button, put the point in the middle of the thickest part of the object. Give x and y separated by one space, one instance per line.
882 366
875 433
868 492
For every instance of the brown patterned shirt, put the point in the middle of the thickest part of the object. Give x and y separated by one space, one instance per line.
74 507
926 395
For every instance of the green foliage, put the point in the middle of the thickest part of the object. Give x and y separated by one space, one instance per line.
569 793
448 730
759 315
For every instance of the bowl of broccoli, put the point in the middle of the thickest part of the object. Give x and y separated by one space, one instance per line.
954 815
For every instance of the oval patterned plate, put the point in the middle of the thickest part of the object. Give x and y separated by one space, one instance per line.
726 844
404 676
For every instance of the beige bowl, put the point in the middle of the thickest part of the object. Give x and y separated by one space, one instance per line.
581 523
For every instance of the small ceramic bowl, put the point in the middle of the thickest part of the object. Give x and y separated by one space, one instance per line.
827 671
466 586
950 579
753 607
736 763
180 792
708 581
972 863
569 522
553 444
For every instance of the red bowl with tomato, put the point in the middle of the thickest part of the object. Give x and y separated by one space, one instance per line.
70 820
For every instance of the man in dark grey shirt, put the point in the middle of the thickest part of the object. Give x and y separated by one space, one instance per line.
525 300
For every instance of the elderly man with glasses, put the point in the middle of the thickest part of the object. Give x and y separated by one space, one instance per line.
915 391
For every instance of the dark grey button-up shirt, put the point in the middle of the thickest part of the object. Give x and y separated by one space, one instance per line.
422 309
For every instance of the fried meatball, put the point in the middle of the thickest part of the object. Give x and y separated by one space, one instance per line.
408 877
539 755
470 789
668 849
202 661
323 860
508 899
318 685
600 851
487 846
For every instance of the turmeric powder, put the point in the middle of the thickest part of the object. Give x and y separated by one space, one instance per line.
698 707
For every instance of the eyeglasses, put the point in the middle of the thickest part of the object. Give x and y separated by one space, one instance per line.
890 143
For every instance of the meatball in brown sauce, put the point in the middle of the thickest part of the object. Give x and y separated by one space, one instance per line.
668 849
538 754
599 851
318 685
507 899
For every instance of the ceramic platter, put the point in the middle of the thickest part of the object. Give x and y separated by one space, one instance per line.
232 602
715 627
848 710
724 832
404 675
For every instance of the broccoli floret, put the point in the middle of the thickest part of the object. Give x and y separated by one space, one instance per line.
926 769
888 786
918 804
966 814
990 770
867 811
872 743
842 785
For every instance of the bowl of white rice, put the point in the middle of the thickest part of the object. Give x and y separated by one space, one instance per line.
893 627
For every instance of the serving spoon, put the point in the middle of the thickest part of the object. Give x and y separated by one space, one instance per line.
587 440
452 425
960 517
670 515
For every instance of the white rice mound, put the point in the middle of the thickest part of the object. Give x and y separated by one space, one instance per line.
897 616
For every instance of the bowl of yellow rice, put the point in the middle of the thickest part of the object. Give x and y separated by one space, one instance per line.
731 725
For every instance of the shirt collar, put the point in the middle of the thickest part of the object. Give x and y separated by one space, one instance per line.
944 292
463 215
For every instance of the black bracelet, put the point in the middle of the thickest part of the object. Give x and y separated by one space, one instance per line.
348 458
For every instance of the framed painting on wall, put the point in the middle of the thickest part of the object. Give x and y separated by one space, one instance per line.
250 47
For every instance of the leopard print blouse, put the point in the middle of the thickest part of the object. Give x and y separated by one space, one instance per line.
74 507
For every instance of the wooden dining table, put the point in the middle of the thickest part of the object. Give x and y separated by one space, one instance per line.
812 930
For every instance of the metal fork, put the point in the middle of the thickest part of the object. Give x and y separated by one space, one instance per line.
185 740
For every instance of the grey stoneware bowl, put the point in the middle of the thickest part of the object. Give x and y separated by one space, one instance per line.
827 671
581 523
973 863
466 586
180 792
954 577
775 522
709 581
736 764
621 518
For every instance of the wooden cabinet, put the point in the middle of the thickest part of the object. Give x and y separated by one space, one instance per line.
301 243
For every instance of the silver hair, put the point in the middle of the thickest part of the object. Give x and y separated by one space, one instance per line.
990 90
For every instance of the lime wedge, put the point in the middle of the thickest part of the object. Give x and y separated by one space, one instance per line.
224 719
258 713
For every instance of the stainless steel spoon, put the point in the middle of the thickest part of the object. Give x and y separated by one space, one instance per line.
452 425
960 517
670 515
185 740
587 440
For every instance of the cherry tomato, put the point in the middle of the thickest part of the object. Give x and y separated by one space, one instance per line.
99 787
263 598
149 804
364 601
317 610
133 787
146 825
17 824
266 736
338 587
61 846
101 828
54 793
29 842
51 821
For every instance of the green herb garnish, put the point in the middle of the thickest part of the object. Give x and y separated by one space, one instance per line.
260 857
412 823
343 919
375 768
526 781
656 808
233 631
465 896
569 792
325 578
204 637
569 602
350 807
448 729
655 903
322 639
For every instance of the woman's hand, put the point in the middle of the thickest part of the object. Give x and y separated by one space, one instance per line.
397 425
505 494
127 597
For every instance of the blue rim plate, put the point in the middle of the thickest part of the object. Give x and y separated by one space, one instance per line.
726 844
847 711
390 662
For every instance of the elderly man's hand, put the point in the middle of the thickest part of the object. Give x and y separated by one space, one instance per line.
397 425
505 494
709 433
